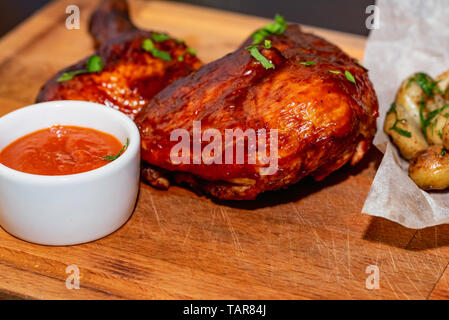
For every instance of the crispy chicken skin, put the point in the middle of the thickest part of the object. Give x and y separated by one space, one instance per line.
323 119
131 76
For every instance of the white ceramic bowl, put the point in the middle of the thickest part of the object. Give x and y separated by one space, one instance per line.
69 209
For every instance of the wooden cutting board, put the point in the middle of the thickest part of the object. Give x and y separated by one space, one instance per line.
310 241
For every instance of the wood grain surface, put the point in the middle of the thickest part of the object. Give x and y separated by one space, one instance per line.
308 242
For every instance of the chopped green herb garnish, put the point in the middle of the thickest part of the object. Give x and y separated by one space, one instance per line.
267 44
434 113
349 76
433 124
402 132
427 84
422 119
335 71
426 121
179 41
112 158
308 63
440 134
160 37
93 64
161 54
392 108
443 152
70 75
361 66
148 45
259 36
191 51
254 50
277 27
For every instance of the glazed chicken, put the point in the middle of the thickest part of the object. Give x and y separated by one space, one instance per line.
130 76
314 106
320 101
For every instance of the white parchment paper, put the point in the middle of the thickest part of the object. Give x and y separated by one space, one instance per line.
413 36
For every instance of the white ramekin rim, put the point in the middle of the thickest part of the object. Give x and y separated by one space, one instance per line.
118 164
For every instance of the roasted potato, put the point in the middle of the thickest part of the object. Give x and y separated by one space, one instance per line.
446 136
403 120
430 168
434 130
419 118
405 132
443 84
437 109
409 96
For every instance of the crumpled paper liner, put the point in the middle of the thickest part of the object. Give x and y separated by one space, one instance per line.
413 36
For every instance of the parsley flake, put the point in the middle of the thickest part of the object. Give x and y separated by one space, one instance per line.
361 66
308 63
112 158
93 64
160 37
402 132
254 50
426 121
277 27
349 76
148 45
267 44
427 84
191 51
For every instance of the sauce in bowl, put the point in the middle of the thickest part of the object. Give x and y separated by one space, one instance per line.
61 150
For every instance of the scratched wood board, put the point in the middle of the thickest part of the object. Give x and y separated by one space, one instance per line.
307 242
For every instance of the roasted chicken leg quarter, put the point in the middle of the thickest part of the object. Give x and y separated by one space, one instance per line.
315 103
320 101
130 76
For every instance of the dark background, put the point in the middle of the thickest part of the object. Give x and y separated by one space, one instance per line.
343 15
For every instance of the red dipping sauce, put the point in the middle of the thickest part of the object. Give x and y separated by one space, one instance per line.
60 150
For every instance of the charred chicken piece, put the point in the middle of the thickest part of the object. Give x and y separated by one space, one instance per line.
320 101
130 75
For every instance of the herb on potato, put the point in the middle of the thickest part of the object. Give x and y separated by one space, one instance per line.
402 132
